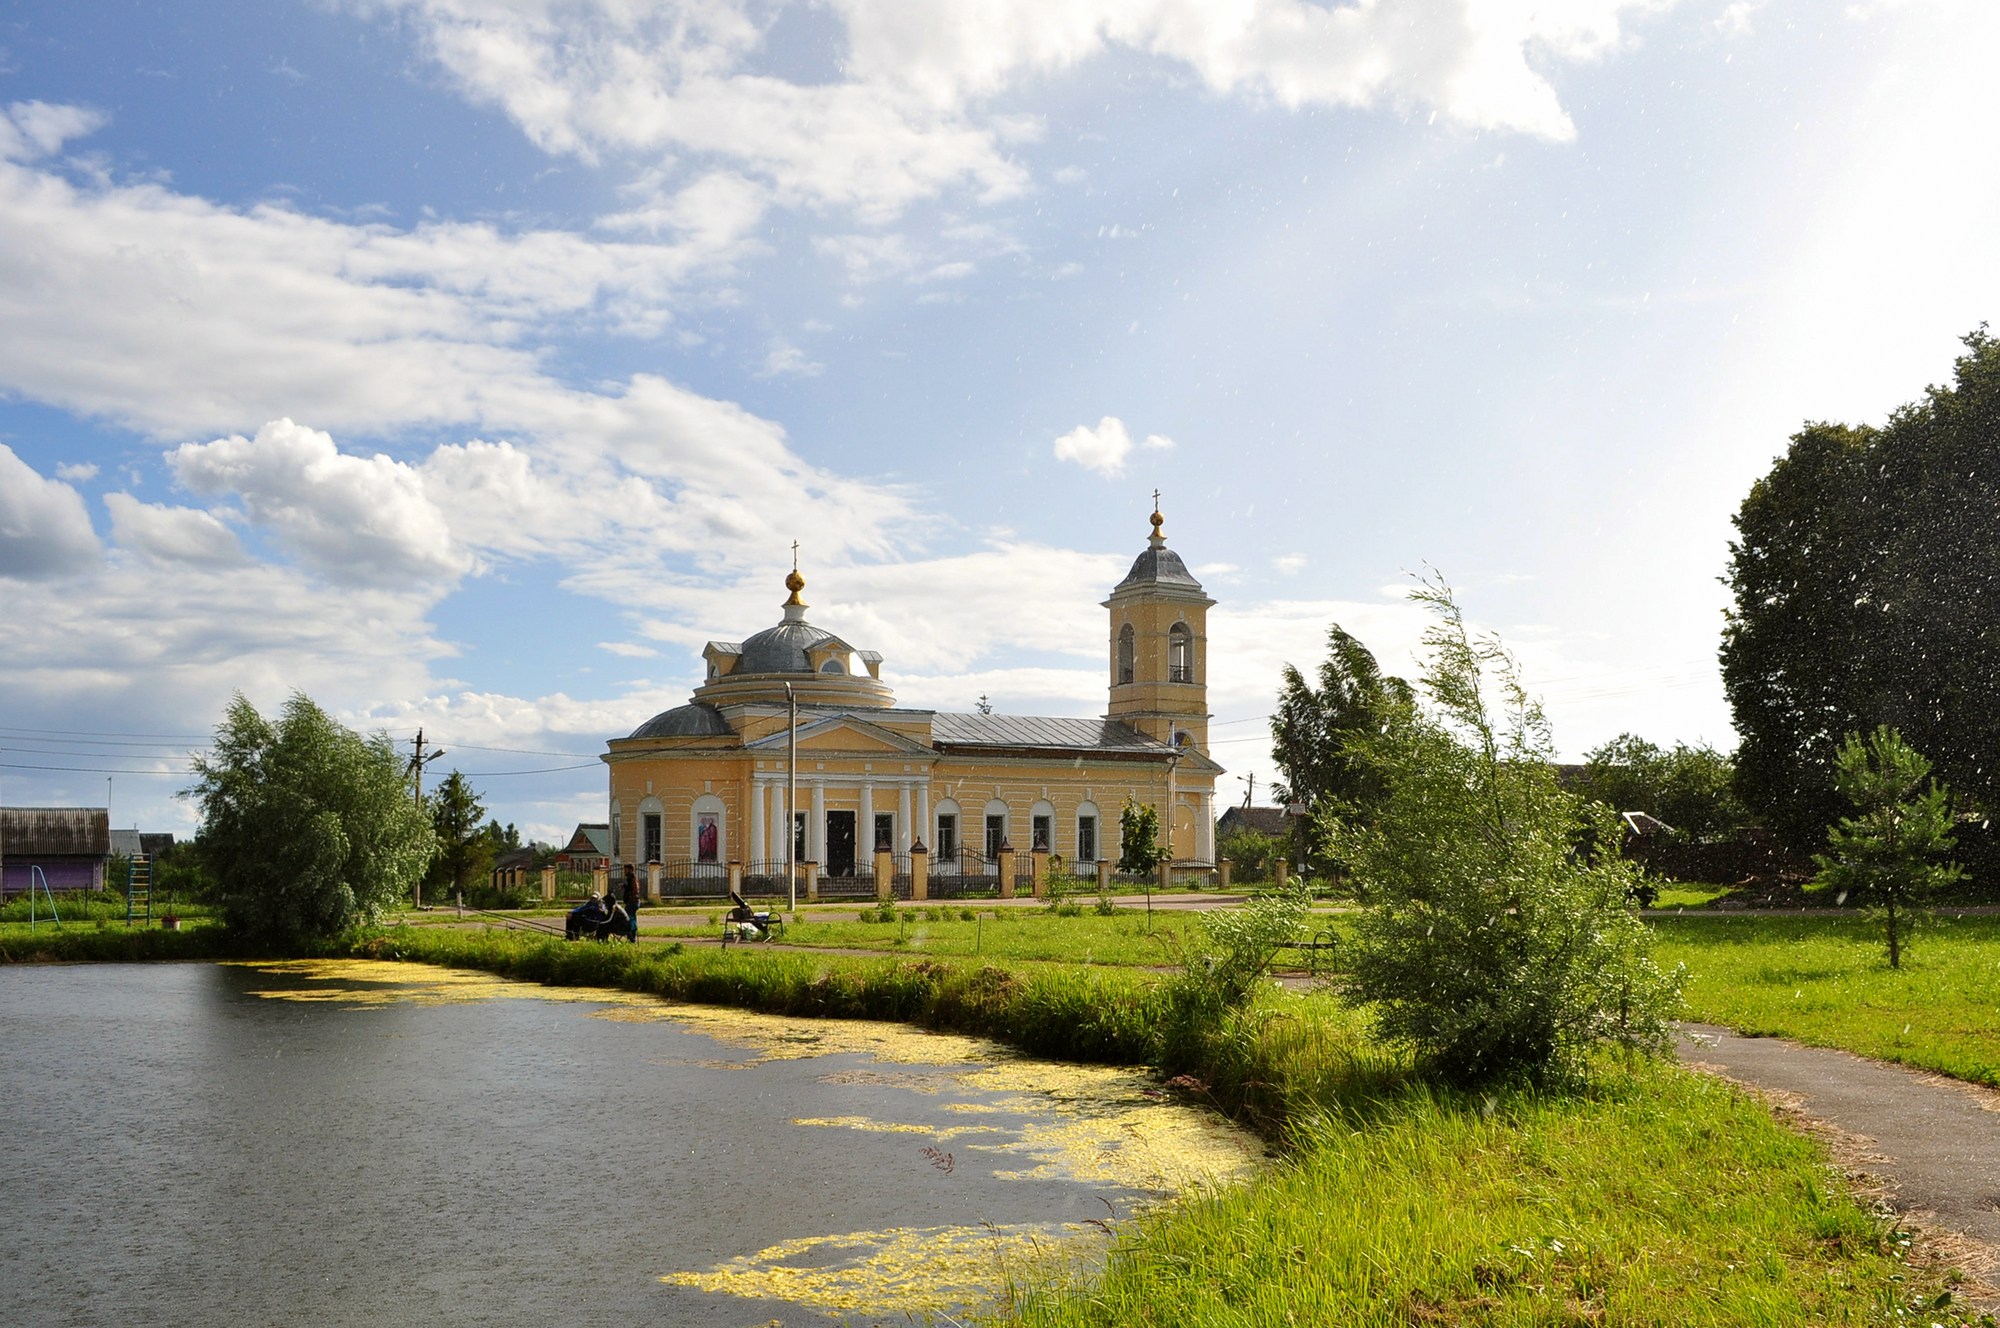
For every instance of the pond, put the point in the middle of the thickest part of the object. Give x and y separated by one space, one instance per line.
342 1142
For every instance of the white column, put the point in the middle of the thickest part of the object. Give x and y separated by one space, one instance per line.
756 823
864 833
1205 829
929 831
816 828
781 842
903 818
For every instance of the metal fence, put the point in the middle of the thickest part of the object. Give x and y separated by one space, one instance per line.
682 879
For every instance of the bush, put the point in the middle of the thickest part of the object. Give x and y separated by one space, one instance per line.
1251 853
1223 958
1491 944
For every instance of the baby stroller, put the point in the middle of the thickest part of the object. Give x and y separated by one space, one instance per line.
744 923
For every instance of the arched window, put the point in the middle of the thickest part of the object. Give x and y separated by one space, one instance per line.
1127 652
833 666
1180 654
708 831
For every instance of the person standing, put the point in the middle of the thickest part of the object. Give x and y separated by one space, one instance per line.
632 902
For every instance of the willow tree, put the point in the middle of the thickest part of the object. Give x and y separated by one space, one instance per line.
308 827
1490 941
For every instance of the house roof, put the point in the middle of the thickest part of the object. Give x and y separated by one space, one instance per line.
1264 820
70 832
591 837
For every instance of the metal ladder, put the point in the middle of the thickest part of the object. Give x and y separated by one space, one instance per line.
139 890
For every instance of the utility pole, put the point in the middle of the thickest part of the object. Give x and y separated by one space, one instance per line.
418 761
1250 793
792 791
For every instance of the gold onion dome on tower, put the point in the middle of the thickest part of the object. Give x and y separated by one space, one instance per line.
795 583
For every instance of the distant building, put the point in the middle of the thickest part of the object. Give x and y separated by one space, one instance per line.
69 845
588 849
515 869
131 843
708 783
1272 821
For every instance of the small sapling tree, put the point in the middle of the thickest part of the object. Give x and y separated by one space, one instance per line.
1139 838
1887 854
307 826
1491 942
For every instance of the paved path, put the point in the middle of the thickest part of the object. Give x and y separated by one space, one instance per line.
1934 1141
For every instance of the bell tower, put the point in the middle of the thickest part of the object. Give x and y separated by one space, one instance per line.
1159 646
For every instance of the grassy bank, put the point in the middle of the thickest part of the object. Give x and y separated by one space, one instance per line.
1824 981
112 942
1664 1198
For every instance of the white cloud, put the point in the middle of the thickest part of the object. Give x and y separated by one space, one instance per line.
629 649
355 520
76 472
44 528
784 358
1289 563
913 114
31 129
172 534
1104 448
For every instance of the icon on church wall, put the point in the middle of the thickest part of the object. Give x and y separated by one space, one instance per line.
707 838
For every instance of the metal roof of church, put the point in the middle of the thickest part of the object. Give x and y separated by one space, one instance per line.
1158 566
1038 731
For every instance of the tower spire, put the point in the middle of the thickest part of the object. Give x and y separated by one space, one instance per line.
1156 539
795 607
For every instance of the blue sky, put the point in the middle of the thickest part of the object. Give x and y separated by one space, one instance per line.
468 363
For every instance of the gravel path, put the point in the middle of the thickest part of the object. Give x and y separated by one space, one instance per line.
1933 1142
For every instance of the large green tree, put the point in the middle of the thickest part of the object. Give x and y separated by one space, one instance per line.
1314 732
1488 942
307 827
465 849
1863 576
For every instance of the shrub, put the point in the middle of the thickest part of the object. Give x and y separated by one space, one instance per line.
1491 944
1223 958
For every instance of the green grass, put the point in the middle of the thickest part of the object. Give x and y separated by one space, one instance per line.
1825 981
1662 1198
1013 934
1681 895
92 942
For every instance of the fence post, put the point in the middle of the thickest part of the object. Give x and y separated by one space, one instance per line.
1038 861
1166 885
885 871
600 880
1006 860
1223 865
1281 865
812 880
920 874
1104 876
652 880
735 877
548 885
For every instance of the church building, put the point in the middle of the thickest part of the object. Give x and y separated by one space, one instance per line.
707 783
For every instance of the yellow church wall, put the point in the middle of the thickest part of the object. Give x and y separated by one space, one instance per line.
1150 703
677 779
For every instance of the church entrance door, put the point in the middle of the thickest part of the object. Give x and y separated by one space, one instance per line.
840 843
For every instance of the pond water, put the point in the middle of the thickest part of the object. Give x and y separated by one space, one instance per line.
355 1143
